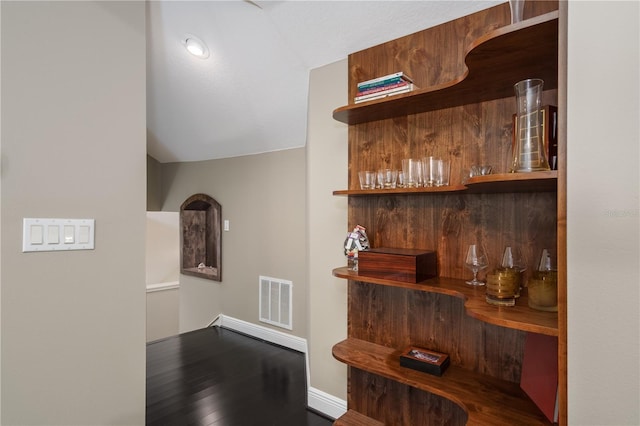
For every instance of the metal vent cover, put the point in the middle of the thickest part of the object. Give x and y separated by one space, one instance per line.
275 302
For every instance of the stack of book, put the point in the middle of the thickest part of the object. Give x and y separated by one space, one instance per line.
388 85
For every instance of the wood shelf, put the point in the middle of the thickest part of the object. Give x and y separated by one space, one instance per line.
353 418
494 63
495 183
514 182
486 400
519 317
399 191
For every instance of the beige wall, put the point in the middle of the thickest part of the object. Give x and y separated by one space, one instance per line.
603 213
162 274
327 215
263 197
163 314
154 179
73 145
162 254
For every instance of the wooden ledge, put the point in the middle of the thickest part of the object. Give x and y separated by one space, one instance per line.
353 418
519 317
546 181
494 62
485 400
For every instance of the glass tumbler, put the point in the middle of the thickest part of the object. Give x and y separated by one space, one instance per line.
412 173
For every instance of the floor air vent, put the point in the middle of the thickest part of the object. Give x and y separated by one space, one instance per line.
275 302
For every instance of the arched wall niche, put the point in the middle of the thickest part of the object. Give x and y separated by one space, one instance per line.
200 237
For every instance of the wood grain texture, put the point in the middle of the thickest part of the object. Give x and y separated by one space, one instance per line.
466 118
411 406
448 223
200 239
216 376
544 181
397 318
562 216
353 418
519 317
465 61
457 397
398 264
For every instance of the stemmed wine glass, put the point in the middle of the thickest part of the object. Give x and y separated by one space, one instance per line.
476 260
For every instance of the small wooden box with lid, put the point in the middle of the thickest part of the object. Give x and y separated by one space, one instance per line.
407 265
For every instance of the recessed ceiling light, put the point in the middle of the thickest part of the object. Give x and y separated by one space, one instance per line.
196 47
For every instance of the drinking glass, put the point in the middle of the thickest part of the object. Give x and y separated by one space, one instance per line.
387 178
442 176
517 10
412 173
430 169
367 179
518 263
475 261
543 285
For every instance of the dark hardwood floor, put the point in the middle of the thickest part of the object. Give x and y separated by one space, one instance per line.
216 376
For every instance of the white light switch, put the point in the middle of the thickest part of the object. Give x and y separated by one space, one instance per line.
83 234
226 225
57 234
53 234
69 233
36 234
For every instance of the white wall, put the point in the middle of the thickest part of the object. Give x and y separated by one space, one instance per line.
327 165
73 145
603 213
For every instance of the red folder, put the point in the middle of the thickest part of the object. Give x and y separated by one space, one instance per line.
539 377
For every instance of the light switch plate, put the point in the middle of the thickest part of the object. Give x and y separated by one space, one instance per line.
60 235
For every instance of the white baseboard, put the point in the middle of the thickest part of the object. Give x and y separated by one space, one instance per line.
317 400
325 403
274 336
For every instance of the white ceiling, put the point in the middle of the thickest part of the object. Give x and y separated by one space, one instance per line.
250 95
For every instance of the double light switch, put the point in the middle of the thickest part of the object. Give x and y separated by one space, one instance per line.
57 234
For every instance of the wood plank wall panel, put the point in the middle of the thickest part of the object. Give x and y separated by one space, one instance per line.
435 55
397 317
374 395
194 244
467 135
448 223
395 404
470 134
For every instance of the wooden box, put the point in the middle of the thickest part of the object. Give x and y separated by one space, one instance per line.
425 360
407 265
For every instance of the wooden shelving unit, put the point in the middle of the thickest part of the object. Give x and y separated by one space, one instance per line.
463 111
